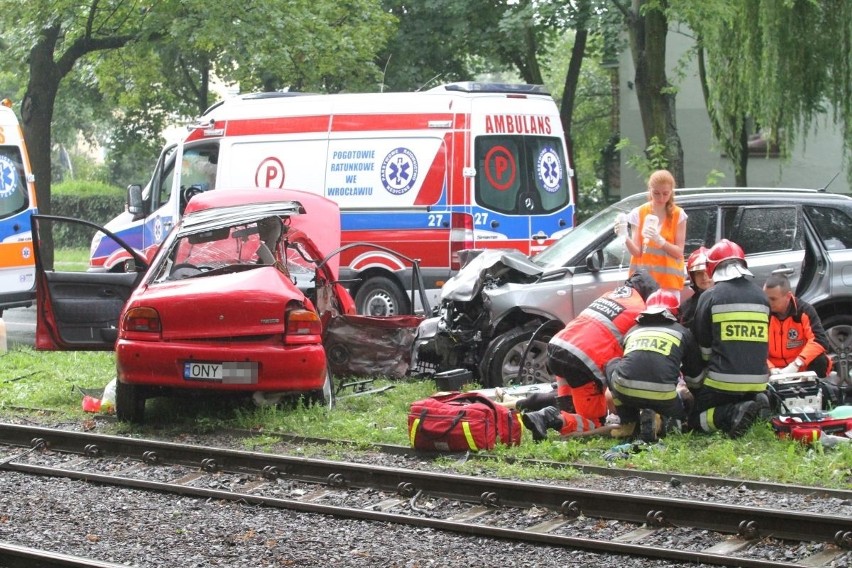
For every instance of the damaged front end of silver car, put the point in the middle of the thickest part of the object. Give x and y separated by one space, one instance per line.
467 319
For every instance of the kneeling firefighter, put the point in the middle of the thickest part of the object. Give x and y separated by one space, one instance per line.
578 354
649 374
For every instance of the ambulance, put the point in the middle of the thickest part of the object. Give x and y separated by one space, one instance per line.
17 203
419 176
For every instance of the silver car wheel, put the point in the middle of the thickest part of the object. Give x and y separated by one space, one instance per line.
838 329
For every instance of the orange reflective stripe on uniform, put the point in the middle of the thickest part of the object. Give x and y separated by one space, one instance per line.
574 423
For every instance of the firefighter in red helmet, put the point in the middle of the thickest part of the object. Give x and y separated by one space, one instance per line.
699 281
731 327
648 376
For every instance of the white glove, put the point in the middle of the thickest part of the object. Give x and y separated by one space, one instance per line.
652 234
792 367
775 371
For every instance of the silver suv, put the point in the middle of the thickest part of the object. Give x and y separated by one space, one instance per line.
490 310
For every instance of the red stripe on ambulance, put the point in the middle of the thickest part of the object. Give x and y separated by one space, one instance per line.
278 125
372 122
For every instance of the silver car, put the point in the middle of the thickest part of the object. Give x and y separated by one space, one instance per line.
491 309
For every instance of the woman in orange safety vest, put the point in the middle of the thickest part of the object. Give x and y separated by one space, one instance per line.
658 233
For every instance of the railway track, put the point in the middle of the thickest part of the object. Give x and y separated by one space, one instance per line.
554 515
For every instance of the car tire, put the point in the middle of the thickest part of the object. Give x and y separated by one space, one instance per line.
129 403
500 363
838 330
381 296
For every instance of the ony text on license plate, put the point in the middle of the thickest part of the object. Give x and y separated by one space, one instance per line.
233 373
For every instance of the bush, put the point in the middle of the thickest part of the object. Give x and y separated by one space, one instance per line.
93 201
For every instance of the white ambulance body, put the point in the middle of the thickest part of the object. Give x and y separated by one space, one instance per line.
423 175
17 203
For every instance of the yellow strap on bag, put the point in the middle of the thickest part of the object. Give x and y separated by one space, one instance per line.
413 432
468 436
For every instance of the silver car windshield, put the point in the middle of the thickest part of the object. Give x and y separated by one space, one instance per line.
569 247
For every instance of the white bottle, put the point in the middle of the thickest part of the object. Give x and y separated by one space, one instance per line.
621 225
653 222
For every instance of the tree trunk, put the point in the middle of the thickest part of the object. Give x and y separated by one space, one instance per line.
647 33
36 118
37 106
569 96
741 165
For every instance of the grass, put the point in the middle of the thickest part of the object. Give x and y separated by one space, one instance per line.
33 382
71 259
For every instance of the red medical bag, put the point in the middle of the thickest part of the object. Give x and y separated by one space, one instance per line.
808 428
456 422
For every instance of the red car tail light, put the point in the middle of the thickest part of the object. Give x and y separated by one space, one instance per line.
141 321
461 237
303 326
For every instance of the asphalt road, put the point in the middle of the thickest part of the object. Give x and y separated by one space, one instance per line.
20 326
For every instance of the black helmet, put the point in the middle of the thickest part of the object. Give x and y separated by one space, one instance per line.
642 282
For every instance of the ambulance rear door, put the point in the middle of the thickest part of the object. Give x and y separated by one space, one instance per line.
522 192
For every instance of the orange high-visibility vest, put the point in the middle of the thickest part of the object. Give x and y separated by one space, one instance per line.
667 271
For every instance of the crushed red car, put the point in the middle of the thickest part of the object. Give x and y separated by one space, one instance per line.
236 299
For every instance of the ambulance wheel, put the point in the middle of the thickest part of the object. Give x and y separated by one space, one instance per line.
381 296
129 403
838 330
500 365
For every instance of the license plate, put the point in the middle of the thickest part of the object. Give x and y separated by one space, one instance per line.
232 373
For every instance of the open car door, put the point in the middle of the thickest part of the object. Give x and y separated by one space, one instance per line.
79 310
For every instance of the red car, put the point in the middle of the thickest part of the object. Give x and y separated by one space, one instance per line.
234 300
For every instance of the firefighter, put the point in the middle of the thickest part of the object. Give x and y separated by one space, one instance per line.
699 281
578 354
648 376
731 327
797 340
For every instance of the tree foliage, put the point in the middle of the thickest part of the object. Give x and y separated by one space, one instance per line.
775 66
434 43
178 44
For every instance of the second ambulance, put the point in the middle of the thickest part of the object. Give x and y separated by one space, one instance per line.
423 175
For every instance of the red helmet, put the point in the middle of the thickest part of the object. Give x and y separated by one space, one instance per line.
722 251
697 261
662 300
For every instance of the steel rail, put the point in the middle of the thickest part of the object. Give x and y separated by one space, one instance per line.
748 522
465 527
604 471
14 556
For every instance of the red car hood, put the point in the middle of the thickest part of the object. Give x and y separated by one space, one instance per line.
222 306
